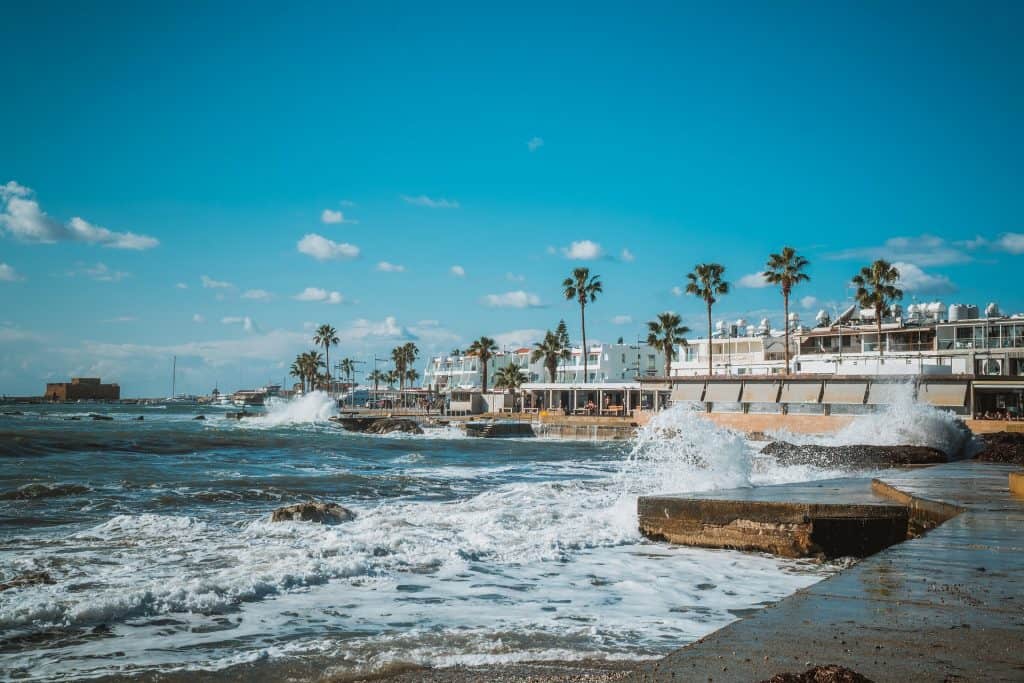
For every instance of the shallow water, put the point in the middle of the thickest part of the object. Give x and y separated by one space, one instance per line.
157 538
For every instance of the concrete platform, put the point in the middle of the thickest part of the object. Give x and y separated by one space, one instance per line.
946 606
840 517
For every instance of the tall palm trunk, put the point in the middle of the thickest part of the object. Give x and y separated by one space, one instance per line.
878 328
785 307
669 348
483 376
583 333
327 356
710 345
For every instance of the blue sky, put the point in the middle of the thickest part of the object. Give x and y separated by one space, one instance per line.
210 142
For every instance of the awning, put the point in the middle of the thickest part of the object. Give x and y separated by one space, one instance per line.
800 392
944 394
887 393
844 393
998 385
688 391
722 392
760 392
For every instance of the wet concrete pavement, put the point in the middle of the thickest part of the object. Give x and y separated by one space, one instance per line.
947 606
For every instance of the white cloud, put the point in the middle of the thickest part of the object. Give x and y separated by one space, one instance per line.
535 143
8 274
245 321
913 279
622 320
318 294
9 333
627 256
329 216
23 219
323 249
924 250
514 339
257 295
457 271
583 250
514 277
347 203
550 250
386 267
753 281
1012 242
809 301
99 272
424 200
122 319
517 299
210 283
677 291
198 318
181 285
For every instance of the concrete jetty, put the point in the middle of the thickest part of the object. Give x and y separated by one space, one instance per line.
946 605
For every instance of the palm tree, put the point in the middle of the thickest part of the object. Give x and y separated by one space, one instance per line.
310 363
584 288
298 371
664 333
551 350
326 336
876 289
390 377
786 269
483 348
706 282
377 377
411 375
562 332
510 377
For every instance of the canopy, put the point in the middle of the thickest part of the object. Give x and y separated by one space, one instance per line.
844 393
800 392
943 394
760 392
722 392
688 391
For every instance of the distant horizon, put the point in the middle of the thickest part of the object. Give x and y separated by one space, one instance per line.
212 184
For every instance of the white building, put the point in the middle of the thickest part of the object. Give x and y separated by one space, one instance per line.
605 363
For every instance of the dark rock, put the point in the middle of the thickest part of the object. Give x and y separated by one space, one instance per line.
73 418
1005 447
821 674
378 425
97 416
140 418
388 425
199 417
321 513
13 412
853 456
29 579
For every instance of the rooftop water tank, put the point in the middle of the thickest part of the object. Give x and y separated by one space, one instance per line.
992 311
822 318
958 312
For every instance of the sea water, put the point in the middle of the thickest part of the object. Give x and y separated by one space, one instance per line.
157 539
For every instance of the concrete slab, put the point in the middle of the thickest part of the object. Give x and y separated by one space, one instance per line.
948 605
828 519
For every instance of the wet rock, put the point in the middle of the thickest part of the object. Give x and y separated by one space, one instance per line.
28 579
853 456
1005 447
140 418
35 491
375 425
388 425
320 513
13 412
821 674
199 417
97 416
